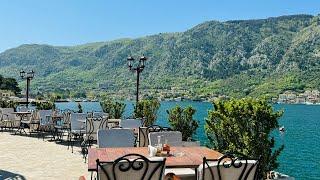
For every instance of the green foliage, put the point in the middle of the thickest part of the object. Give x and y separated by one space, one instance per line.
8 104
115 109
107 106
147 109
244 126
80 110
9 84
118 109
182 120
45 105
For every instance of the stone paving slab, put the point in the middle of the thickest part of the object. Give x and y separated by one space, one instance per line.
23 157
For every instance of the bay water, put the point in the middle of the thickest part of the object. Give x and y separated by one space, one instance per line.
301 155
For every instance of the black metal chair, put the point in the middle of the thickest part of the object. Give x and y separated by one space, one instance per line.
77 128
144 131
45 122
8 120
62 126
131 167
229 167
93 124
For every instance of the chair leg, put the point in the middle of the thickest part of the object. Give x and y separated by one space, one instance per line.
71 144
68 139
43 131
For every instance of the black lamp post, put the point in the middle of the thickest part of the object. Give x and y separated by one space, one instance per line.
28 76
139 68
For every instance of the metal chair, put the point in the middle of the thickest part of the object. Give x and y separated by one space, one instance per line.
33 122
44 121
228 167
144 131
173 138
8 119
93 124
77 124
131 167
63 125
117 137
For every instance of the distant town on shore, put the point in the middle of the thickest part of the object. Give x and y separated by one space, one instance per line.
307 97
291 97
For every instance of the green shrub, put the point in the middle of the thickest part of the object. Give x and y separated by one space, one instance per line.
45 105
147 109
8 104
182 120
115 109
244 126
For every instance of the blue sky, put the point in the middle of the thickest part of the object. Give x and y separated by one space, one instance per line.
71 22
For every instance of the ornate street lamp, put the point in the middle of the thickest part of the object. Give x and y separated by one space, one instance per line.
139 68
28 76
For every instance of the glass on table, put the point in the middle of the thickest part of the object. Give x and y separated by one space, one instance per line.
178 154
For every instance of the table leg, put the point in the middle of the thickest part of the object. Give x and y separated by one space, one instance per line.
196 172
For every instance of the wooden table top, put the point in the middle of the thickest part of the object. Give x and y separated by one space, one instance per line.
183 157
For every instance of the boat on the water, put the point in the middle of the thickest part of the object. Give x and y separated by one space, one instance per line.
282 129
277 175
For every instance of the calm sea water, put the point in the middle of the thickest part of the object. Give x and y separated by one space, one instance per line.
301 156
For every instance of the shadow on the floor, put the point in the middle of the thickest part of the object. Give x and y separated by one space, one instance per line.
47 136
6 175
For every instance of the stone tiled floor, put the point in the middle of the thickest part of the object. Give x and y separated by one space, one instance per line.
31 158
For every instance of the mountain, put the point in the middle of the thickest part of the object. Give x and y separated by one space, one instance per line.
238 58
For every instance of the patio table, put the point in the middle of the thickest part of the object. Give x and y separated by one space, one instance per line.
183 157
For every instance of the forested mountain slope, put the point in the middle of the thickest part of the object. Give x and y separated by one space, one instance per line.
237 58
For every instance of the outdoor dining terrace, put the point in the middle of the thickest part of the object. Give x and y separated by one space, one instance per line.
52 144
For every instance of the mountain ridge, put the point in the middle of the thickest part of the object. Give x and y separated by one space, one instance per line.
207 59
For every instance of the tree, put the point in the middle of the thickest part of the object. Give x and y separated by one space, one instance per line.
115 109
182 120
147 109
244 126
9 84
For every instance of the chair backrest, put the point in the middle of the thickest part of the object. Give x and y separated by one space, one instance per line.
93 124
131 123
114 123
34 115
98 114
44 116
75 123
228 167
173 138
22 109
132 167
115 138
144 131
66 117
6 113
